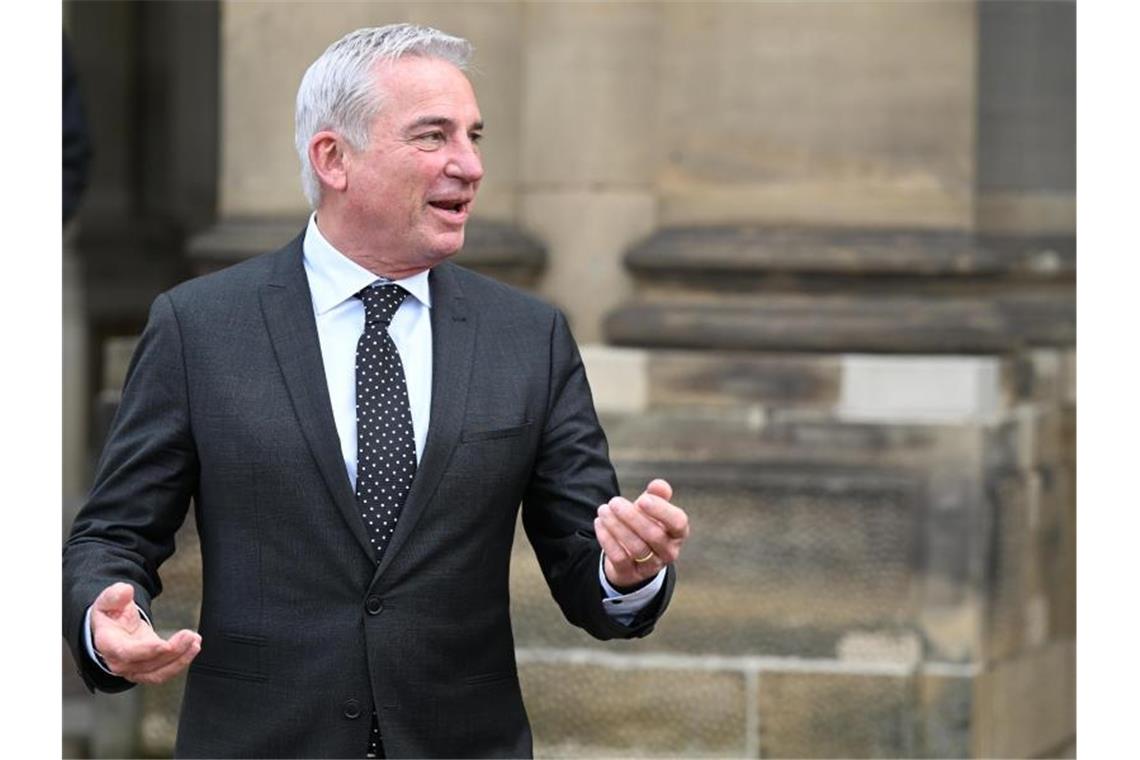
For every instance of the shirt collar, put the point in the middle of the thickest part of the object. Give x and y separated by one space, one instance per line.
334 278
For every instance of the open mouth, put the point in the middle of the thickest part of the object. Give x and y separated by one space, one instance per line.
453 207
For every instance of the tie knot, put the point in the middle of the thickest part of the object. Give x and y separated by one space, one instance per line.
381 302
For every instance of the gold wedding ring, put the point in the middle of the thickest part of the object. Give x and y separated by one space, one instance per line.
646 558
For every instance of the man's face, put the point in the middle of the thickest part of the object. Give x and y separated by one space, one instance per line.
410 191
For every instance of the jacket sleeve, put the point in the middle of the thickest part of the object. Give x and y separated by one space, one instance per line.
145 479
571 477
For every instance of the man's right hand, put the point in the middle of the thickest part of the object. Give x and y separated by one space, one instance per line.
130 647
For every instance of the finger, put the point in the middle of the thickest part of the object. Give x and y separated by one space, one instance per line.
134 666
115 599
665 547
672 517
619 568
143 650
615 552
660 487
124 654
172 669
634 544
647 530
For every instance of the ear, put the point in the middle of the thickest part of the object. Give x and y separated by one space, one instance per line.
327 155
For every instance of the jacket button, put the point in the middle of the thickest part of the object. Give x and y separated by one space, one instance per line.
374 605
352 709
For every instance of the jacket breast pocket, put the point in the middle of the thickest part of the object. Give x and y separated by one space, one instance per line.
488 433
231 655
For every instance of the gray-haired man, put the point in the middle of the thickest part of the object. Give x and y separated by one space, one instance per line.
357 421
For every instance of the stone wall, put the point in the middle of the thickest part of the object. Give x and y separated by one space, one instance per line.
821 260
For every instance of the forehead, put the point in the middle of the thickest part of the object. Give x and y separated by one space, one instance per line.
414 86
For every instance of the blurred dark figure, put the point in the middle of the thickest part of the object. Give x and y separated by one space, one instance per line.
76 145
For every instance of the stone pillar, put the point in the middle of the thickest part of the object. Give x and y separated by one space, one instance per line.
590 78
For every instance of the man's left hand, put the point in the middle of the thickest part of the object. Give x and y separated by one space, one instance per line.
639 538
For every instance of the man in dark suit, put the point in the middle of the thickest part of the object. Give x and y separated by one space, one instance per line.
357 421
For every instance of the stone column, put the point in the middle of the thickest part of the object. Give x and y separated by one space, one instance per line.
589 142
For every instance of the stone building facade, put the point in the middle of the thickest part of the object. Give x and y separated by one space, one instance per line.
821 261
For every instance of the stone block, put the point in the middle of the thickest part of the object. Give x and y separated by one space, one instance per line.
859 323
1009 579
1058 550
585 233
589 94
1026 706
836 715
585 710
619 378
728 379
944 704
888 141
915 389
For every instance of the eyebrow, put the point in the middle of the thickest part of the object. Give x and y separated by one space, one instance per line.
439 121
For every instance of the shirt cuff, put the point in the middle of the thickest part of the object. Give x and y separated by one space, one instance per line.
89 642
623 607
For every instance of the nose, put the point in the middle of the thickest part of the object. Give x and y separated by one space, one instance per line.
465 164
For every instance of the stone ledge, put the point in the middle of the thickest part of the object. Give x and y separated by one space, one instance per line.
872 324
744 250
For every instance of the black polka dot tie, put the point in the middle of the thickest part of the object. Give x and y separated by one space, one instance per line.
385 442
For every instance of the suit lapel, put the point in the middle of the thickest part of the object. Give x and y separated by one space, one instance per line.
287 306
453 343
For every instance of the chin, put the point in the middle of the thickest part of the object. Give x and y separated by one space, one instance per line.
447 246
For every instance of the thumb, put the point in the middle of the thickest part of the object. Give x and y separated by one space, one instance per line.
659 487
115 599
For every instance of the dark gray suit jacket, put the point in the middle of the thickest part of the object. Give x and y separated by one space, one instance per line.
303 634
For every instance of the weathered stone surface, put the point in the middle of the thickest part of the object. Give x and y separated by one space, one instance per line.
890 140
1057 550
883 324
583 126
592 711
1026 131
619 378
836 715
944 704
1008 584
723 379
1026 706
747 250
585 230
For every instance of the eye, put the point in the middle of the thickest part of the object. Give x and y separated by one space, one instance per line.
432 140
476 137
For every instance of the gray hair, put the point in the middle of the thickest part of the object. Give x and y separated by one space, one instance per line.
338 91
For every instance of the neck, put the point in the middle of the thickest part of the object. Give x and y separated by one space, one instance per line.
343 238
